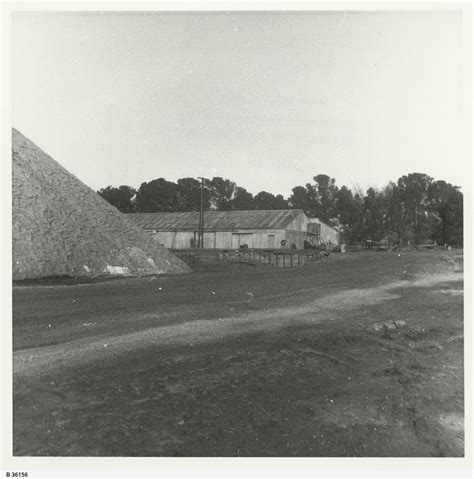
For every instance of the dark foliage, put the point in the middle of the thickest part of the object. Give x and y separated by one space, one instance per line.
120 197
415 208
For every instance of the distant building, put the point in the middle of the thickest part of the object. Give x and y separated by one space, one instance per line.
326 233
258 229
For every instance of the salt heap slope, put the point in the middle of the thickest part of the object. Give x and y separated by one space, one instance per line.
61 227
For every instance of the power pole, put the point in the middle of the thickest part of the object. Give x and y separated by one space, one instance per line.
201 215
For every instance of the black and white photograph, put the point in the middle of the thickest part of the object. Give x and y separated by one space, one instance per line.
237 232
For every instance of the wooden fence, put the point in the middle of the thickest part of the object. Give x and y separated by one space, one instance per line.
281 258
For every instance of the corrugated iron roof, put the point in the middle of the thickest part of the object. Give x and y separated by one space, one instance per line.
216 220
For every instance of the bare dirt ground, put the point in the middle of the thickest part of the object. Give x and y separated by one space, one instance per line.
249 362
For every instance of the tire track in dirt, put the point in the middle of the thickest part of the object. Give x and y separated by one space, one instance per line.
38 361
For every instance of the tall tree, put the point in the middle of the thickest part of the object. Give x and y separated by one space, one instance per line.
264 200
446 203
317 199
242 200
414 196
349 210
222 192
268 201
157 195
300 199
373 215
396 220
280 203
189 195
326 197
120 197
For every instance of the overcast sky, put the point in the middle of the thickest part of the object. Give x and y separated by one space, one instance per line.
268 100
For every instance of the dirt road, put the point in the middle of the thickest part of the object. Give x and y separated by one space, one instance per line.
251 362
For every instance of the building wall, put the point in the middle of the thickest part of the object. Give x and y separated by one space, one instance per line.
300 223
296 233
327 234
261 239
296 238
173 239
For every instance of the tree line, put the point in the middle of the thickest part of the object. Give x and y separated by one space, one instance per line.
415 208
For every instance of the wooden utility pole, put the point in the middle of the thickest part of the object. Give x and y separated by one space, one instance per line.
201 215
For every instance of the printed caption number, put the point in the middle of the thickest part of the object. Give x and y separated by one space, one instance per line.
16 474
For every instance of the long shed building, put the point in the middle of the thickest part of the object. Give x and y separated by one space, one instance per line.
259 229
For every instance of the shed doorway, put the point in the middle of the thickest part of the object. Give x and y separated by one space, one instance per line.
240 239
271 241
